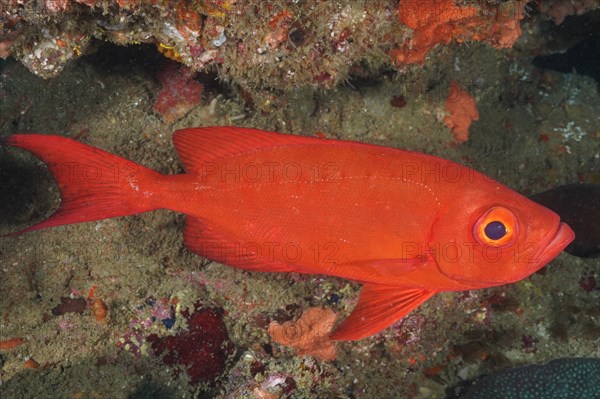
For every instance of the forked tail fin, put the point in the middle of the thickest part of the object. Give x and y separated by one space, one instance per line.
94 184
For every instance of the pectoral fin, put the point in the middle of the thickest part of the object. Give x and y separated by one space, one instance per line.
379 306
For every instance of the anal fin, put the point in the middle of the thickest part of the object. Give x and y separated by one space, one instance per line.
379 306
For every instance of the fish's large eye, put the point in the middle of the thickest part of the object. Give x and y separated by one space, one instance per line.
497 227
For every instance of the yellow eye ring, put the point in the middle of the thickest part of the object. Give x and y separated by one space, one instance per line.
498 227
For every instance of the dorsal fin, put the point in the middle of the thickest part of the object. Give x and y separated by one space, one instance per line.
379 306
205 144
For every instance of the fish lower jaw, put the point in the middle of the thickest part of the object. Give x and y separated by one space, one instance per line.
563 237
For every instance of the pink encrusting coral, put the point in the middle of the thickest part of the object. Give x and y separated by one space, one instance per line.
462 111
179 93
436 22
309 335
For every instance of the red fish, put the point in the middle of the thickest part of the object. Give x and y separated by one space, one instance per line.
406 225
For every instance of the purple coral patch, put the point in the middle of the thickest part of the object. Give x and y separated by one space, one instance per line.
203 349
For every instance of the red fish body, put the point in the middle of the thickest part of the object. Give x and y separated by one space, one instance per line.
404 224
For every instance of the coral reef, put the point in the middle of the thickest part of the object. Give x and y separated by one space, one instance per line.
256 44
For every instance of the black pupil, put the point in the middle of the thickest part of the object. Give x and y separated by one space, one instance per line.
495 230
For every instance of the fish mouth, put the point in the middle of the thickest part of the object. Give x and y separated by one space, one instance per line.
563 237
